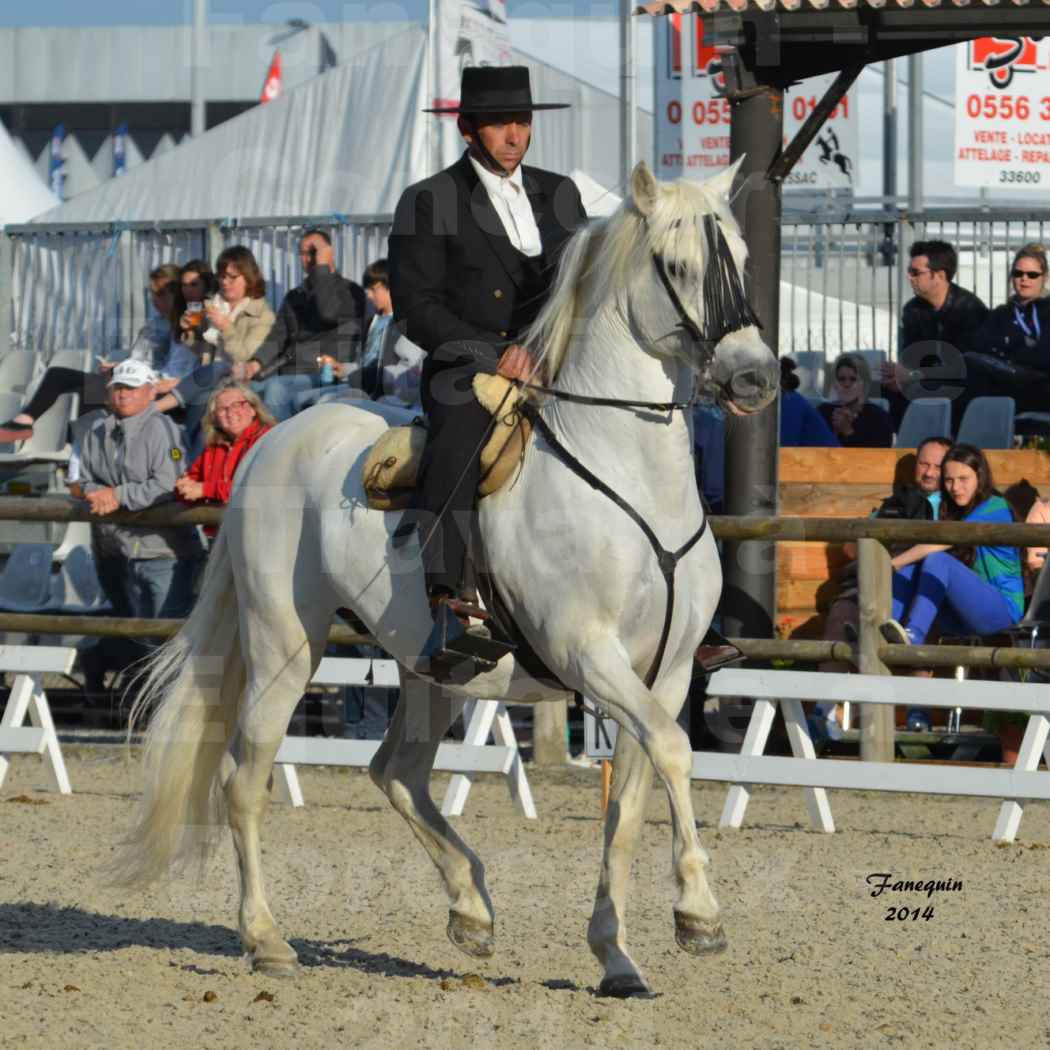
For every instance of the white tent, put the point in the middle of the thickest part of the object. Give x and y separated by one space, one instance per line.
25 194
346 142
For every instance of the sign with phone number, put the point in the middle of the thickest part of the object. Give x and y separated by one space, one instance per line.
1002 113
692 117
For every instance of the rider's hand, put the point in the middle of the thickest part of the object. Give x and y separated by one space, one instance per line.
516 363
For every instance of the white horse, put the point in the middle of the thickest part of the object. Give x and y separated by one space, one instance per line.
643 303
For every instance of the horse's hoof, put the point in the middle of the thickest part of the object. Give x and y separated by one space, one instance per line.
625 986
471 936
699 938
276 967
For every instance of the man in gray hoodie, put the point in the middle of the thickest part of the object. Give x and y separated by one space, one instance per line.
131 459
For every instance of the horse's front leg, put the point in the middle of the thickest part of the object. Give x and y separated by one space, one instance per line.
401 770
609 679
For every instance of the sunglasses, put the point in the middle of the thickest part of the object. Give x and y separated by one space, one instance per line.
912 272
1032 275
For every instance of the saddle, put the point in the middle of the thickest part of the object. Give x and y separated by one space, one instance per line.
392 466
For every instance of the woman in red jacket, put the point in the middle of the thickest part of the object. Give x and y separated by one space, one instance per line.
234 421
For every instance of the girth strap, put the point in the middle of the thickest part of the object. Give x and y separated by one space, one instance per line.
667 560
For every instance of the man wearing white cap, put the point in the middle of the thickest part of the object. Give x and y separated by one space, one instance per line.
130 460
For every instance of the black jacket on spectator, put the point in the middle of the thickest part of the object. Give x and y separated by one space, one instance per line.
1007 361
956 325
323 316
956 322
1002 334
873 427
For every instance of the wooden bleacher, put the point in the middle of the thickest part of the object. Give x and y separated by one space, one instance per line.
850 483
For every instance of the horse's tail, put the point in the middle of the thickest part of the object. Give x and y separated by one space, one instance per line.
194 682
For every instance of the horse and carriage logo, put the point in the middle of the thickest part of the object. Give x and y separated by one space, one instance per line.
1003 56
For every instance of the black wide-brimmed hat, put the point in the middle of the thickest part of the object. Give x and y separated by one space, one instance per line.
496 89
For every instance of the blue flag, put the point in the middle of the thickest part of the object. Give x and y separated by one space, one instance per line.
56 169
120 150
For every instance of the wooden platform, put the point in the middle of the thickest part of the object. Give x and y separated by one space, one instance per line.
851 483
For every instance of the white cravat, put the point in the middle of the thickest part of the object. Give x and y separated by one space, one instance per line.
512 205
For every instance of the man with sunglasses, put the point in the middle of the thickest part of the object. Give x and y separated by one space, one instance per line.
938 326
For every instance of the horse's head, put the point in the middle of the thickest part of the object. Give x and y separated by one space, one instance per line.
686 295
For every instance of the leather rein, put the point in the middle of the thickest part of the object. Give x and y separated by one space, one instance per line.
666 559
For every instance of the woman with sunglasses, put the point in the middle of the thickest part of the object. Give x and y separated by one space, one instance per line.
1012 356
157 344
235 419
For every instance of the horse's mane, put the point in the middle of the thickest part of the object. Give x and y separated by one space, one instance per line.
599 258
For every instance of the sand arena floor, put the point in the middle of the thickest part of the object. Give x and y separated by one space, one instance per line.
812 959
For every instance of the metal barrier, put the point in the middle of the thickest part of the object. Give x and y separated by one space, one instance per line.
85 285
843 269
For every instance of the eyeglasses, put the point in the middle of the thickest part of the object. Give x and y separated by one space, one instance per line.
195 283
227 276
1032 275
231 406
912 272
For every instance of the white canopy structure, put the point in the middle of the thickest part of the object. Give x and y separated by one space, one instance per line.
346 142
25 194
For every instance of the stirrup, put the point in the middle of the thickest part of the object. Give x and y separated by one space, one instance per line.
717 651
454 652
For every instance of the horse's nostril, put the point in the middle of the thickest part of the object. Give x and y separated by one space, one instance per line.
746 382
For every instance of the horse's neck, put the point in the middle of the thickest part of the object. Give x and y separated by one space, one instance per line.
604 360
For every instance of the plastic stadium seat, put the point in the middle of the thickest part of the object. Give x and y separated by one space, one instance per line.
25 584
18 369
75 587
924 417
988 422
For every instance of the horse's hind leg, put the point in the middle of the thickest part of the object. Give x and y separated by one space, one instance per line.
280 662
401 769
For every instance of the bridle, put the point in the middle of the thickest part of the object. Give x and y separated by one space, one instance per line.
725 288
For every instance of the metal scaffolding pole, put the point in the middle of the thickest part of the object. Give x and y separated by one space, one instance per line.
198 68
915 133
628 101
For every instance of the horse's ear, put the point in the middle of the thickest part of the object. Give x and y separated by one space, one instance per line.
644 188
722 183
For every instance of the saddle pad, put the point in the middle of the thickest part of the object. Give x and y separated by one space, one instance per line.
392 466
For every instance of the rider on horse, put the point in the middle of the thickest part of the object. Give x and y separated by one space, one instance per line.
473 253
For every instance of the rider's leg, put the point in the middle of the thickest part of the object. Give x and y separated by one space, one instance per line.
401 770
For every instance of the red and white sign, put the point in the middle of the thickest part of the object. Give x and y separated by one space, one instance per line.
1002 113
272 86
692 126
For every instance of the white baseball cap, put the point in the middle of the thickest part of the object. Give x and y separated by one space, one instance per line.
132 373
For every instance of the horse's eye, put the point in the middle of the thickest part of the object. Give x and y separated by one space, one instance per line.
677 269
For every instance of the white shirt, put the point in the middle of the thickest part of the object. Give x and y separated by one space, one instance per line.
512 205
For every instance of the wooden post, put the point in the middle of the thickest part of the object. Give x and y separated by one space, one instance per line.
874 576
606 783
549 722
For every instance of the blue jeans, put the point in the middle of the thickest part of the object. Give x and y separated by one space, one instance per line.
279 392
150 588
941 588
